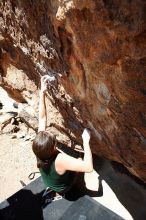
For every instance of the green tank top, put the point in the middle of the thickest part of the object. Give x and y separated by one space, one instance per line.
55 181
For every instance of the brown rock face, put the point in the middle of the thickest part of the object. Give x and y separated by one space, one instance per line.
97 50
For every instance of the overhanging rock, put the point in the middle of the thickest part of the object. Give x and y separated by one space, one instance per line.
97 51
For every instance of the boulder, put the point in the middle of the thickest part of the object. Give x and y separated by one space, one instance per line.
97 52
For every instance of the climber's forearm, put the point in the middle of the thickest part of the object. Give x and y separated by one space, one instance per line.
42 111
88 156
42 106
88 161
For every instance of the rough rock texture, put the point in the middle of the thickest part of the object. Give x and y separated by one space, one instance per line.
97 52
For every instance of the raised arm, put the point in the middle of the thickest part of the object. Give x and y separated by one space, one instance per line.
42 105
65 162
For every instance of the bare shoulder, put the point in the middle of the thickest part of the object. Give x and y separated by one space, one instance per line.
59 164
59 158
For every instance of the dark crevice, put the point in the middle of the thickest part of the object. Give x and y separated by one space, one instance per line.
15 94
1 105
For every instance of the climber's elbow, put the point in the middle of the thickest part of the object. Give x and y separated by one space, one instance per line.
89 169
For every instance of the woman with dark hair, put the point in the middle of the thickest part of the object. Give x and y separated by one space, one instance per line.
55 165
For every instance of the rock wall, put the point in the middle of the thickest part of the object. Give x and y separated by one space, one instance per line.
97 52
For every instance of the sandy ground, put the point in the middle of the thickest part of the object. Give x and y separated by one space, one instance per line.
17 162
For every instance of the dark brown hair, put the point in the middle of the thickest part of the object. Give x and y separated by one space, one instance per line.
43 147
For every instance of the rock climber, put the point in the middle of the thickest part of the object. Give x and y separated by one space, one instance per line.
55 165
